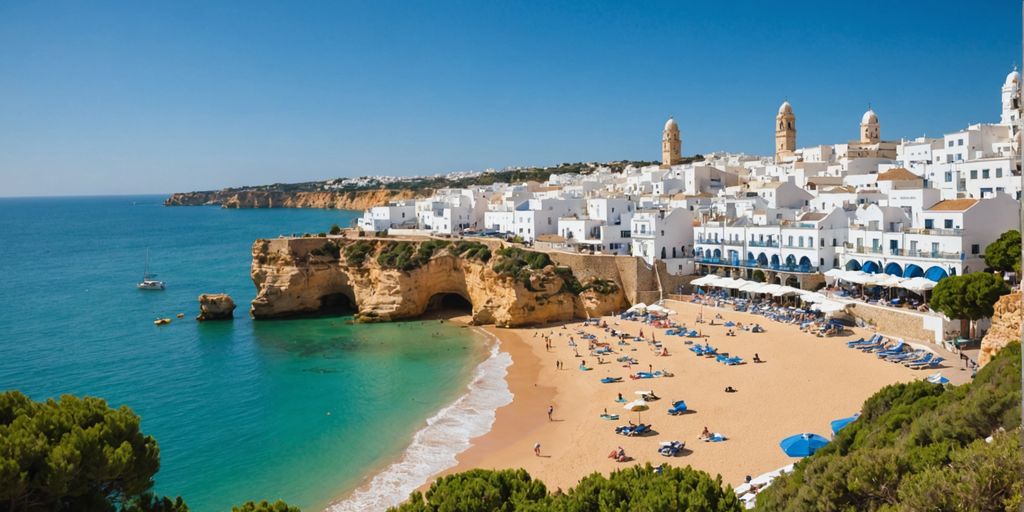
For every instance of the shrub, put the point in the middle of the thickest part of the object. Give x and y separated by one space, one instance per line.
335 229
355 254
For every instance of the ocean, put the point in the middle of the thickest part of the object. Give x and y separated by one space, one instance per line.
304 410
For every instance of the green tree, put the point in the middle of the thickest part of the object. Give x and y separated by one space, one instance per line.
1004 253
969 296
264 506
75 454
335 229
637 488
757 276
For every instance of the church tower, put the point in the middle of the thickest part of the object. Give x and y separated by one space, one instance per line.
1011 99
785 131
671 146
869 131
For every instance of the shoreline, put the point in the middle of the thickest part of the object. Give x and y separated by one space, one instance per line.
433 447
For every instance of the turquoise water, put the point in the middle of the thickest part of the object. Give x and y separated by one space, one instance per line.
294 409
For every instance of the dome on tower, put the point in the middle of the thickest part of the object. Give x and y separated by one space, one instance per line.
1013 77
869 117
671 124
785 108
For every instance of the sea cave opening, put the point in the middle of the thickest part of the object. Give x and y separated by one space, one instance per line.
336 304
449 302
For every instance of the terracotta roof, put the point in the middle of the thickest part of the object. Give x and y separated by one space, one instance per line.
813 216
897 174
953 205
550 238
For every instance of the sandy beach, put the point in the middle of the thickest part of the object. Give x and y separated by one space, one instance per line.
803 384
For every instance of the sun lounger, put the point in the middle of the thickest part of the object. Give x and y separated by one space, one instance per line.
610 380
924 360
733 361
678 407
609 416
933 363
671 448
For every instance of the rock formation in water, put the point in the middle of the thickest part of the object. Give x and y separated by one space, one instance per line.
215 306
382 280
1005 329
262 198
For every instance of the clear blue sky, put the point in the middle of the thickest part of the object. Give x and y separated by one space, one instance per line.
144 96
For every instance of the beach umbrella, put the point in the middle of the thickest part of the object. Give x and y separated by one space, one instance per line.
937 378
838 425
637 406
802 445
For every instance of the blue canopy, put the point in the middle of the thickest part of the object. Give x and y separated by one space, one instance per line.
936 274
913 271
802 445
869 267
839 424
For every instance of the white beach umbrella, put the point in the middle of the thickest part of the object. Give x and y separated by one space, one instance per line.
639 306
889 281
643 392
637 406
705 281
835 273
750 287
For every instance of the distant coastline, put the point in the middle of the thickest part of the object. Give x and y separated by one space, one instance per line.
271 198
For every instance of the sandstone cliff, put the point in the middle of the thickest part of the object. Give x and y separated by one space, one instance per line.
215 306
384 280
258 198
1006 322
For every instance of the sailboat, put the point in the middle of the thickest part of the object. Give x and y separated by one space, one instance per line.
148 283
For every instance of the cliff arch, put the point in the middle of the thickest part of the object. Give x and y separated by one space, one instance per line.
449 301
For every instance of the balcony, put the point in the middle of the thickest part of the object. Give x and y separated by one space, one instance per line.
725 262
762 243
906 253
934 231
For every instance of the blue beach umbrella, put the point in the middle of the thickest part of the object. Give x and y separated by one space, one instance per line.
839 424
802 445
937 378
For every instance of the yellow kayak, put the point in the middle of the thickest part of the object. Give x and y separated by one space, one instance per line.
162 321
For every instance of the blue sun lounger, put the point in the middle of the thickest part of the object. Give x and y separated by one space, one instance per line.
678 407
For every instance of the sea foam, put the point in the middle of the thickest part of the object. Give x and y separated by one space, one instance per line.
435 446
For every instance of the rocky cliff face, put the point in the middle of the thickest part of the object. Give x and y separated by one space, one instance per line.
1006 322
385 280
215 306
255 198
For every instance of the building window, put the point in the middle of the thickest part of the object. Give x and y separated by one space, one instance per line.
984 173
949 176
929 223
947 223
950 143
975 249
974 174
999 172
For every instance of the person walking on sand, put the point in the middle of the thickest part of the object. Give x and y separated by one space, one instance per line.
551 410
536 449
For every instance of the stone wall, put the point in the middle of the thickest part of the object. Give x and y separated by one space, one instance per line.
895 322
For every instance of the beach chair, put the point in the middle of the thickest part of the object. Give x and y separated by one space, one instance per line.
933 363
671 448
905 356
678 407
610 380
854 343
897 349
721 358
924 360
733 361
861 342
640 430
609 416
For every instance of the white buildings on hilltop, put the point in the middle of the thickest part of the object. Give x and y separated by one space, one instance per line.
922 207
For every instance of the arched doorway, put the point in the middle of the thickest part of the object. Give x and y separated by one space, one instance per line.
870 267
893 269
913 271
936 274
762 260
793 281
805 264
853 265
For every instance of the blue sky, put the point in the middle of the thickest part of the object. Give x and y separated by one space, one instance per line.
144 96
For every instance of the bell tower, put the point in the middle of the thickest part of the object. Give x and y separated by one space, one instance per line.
671 145
785 131
870 132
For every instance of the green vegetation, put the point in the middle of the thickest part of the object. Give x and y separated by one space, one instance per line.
78 454
602 286
969 296
519 263
1004 253
355 254
263 506
330 249
639 488
408 256
757 276
335 229
919 446
471 250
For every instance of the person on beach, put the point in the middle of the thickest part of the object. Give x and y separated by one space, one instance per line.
706 434
551 410
536 449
